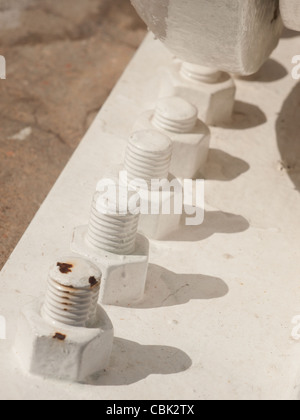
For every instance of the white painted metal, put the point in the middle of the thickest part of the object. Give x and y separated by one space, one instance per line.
216 319
148 157
70 337
162 222
109 229
178 119
236 36
73 292
176 115
196 73
112 242
212 92
123 276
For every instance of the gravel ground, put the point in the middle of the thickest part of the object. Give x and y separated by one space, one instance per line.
63 58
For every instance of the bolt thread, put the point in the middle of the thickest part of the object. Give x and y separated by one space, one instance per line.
196 73
72 305
148 156
174 114
109 231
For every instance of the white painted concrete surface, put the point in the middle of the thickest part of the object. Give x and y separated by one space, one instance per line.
217 318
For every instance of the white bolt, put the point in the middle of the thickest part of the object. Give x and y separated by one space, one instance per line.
290 12
70 337
178 119
236 36
112 242
148 158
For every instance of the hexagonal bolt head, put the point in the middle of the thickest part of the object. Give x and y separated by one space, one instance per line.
162 222
49 347
123 276
214 101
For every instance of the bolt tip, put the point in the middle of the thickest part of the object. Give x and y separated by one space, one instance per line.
75 272
151 141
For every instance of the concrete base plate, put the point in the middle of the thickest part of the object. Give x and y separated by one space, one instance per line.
216 322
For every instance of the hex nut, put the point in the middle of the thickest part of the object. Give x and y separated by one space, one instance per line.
190 150
123 276
214 101
290 12
60 351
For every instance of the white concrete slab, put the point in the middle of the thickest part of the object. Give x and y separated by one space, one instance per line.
216 320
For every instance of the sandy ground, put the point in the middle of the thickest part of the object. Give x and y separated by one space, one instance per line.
63 58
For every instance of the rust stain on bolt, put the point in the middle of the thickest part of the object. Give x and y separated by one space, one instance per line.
65 268
93 282
60 337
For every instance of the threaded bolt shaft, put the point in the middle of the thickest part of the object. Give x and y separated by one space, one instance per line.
111 229
73 291
148 156
175 114
196 73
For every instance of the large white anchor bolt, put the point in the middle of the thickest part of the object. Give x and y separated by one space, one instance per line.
290 11
236 36
178 119
69 337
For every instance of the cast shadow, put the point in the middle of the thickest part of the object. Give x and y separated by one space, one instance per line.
165 288
288 136
271 71
245 116
288 33
224 167
132 362
214 222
